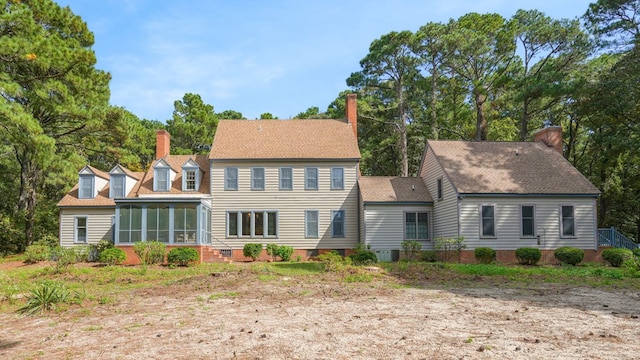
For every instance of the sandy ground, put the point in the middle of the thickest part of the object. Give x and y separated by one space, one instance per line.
285 318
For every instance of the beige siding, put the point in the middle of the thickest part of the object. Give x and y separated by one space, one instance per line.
547 222
290 204
98 224
445 219
384 225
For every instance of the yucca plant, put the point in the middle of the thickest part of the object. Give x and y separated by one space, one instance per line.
45 297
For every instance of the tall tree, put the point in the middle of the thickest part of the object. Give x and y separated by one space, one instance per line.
52 95
615 22
192 126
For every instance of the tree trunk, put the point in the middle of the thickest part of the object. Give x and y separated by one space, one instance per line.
27 199
434 102
524 121
404 148
481 121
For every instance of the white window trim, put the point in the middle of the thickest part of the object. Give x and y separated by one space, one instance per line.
562 235
156 182
264 175
226 178
495 230
522 236
341 181
306 177
280 179
185 170
306 224
404 223
83 178
344 224
75 229
124 185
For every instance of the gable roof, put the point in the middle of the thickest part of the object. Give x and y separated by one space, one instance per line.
72 198
487 167
393 189
175 162
284 139
88 169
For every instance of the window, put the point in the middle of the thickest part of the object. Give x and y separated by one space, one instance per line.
568 220
130 224
190 180
311 178
487 221
161 179
185 224
337 178
416 226
158 224
286 178
311 223
337 223
439 189
86 187
80 234
117 186
252 223
527 221
257 178
231 178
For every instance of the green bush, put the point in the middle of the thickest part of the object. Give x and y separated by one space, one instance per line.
365 257
569 255
528 256
45 297
272 250
285 252
48 240
64 257
636 252
182 256
252 250
485 255
113 256
150 252
334 261
450 247
411 249
35 253
429 256
616 256
82 252
98 248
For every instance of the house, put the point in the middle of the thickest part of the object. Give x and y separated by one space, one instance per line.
297 183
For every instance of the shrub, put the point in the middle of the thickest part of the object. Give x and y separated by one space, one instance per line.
113 256
252 250
636 252
45 297
285 252
429 256
272 250
150 252
98 248
485 255
365 257
64 257
411 249
450 246
569 255
82 253
334 261
35 253
616 256
528 256
182 256
48 240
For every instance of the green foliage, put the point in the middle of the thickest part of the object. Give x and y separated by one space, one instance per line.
98 248
429 256
285 252
252 250
112 256
528 256
45 297
150 252
48 240
450 247
411 249
272 250
569 255
334 261
192 126
36 253
616 256
485 255
182 256
364 258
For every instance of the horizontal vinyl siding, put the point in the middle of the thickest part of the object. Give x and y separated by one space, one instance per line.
98 224
290 204
547 223
385 225
445 219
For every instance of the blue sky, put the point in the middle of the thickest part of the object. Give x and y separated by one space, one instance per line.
256 56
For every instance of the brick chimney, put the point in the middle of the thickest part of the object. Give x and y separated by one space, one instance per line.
550 136
351 110
163 147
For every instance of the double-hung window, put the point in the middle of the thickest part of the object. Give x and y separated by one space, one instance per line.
80 233
527 221
487 221
416 226
568 221
311 223
337 223
231 178
252 223
162 179
311 178
86 187
286 178
190 179
337 178
257 178
117 186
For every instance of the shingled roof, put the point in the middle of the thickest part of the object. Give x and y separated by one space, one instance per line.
486 167
71 199
284 139
393 189
175 162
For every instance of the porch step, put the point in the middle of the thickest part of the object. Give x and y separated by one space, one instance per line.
211 255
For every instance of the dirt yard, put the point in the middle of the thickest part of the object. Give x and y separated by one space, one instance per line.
245 317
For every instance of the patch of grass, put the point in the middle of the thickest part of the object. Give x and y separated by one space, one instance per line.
297 268
358 277
226 294
92 328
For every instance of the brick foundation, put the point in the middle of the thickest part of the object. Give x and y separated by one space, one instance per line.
205 254
509 256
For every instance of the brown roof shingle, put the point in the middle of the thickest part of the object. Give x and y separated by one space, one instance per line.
284 139
486 167
176 162
393 189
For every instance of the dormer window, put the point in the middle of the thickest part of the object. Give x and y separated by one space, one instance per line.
86 188
161 176
117 186
190 176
